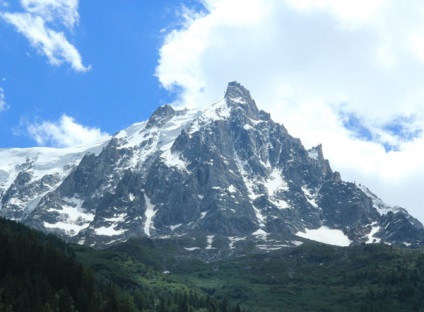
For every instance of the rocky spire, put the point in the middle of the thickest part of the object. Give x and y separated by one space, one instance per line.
238 96
161 116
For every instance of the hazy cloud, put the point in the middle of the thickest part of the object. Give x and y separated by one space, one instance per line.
63 11
3 105
64 133
344 73
43 24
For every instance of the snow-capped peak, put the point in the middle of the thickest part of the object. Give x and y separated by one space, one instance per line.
224 170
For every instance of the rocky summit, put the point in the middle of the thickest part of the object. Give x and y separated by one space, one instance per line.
221 177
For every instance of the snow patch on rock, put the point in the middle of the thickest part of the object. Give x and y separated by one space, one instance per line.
235 239
109 231
310 197
326 235
72 218
149 214
374 230
261 234
210 241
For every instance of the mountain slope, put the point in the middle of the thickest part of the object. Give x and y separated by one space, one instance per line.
225 176
26 175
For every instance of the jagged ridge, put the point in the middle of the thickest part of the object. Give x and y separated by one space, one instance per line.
225 175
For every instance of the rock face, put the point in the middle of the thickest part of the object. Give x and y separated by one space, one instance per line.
224 175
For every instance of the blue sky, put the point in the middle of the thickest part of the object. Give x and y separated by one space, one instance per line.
119 46
345 73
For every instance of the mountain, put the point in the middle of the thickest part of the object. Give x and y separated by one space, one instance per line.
26 175
225 177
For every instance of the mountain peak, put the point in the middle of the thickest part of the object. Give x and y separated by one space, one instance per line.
161 116
226 175
238 96
236 90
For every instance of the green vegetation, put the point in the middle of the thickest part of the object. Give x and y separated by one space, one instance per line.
150 288
39 272
317 277
312 277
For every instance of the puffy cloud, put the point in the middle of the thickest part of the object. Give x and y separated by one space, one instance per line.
40 24
64 133
344 73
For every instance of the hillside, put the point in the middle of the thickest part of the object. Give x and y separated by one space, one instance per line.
311 277
39 272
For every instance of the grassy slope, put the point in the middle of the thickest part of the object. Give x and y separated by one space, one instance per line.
125 270
319 278
312 277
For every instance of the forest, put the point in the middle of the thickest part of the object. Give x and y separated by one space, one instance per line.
39 272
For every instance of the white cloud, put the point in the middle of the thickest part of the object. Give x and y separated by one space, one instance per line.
40 25
3 105
64 133
66 11
312 64
351 14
